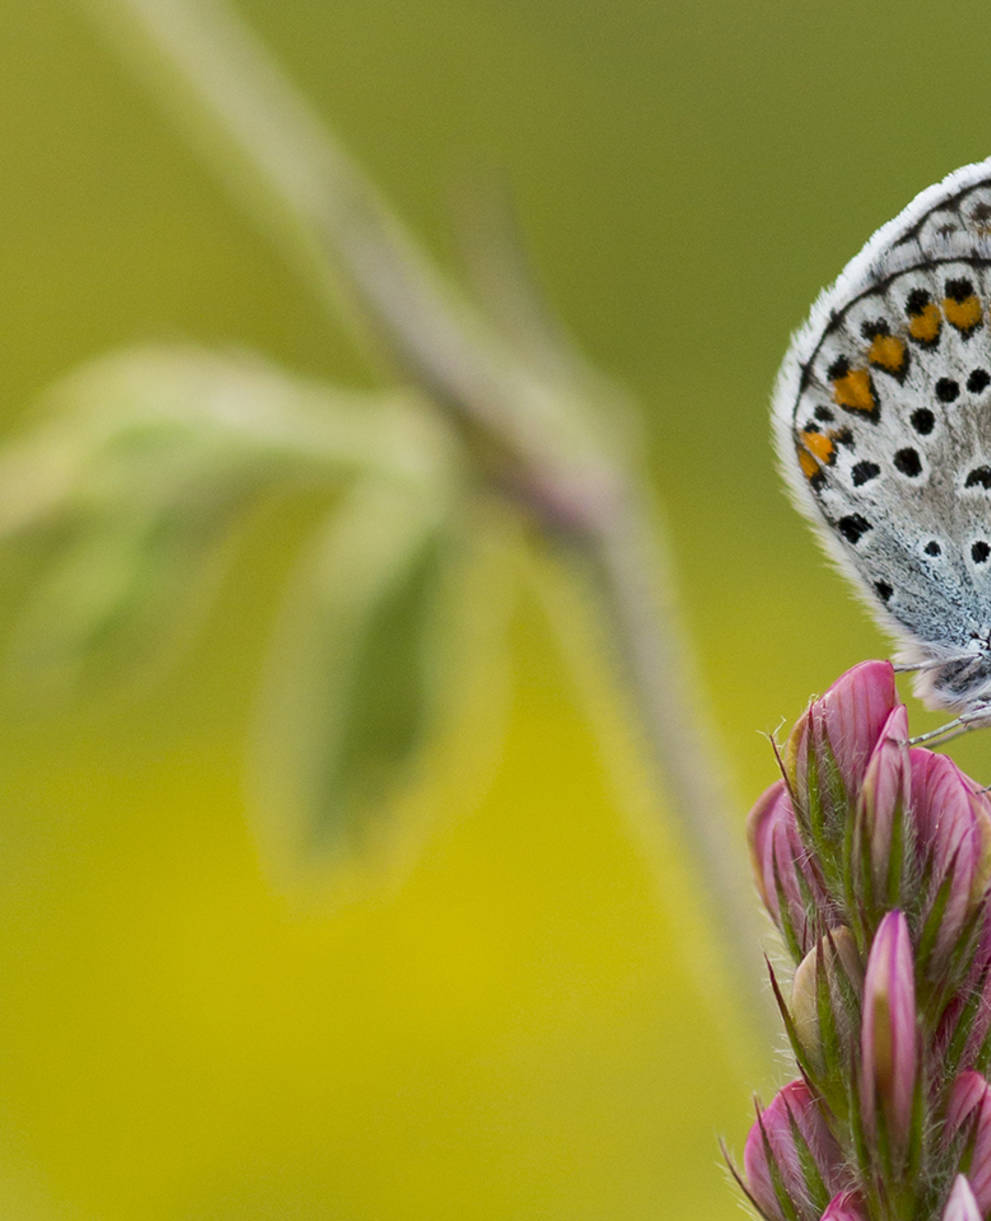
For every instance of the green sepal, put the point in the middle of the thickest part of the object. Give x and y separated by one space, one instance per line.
741 1183
852 910
809 1070
788 930
897 864
809 813
962 1030
861 868
839 802
861 1150
957 967
982 1061
882 1138
933 921
814 1185
916 1129
828 1031
848 992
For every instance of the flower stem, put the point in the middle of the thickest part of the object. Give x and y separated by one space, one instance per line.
538 434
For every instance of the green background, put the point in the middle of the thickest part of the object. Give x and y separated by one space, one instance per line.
515 1015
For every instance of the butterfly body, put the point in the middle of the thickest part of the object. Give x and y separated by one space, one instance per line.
882 421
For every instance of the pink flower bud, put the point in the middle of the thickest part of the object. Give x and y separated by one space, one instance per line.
841 974
884 837
961 1206
953 824
888 1040
786 879
791 1152
844 1207
969 1115
842 728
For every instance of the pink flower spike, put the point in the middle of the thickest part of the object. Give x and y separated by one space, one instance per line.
844 1207
888 1040
771 1155
961 1206
847 720
969 1113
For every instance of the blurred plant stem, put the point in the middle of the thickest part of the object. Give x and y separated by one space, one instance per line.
539 425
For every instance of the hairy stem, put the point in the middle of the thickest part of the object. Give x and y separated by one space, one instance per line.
636 586
542 437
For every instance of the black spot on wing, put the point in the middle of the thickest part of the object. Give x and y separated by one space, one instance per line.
959 290
908 462
864 472
923 421
979 477
853 527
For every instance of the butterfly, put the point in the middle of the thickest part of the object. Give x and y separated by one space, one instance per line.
882 424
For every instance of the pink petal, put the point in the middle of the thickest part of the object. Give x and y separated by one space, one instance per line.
952 821
849 717
780 859
886 793
961 1206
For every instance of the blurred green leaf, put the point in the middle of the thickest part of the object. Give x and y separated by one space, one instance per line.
357 670
141 463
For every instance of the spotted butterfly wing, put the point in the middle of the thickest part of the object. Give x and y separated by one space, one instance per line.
882 420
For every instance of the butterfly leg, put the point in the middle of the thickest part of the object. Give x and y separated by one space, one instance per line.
935 663
974 719
944 733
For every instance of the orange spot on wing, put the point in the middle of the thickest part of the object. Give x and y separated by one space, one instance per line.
925 325
810 468
813 449
854 391
964 315
819 444
888 352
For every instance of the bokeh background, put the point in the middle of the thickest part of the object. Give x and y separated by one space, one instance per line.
519 1019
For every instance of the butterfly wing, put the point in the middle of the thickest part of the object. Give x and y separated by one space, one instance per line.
882 420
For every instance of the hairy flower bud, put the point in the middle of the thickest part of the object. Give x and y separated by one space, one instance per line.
788 883
791 1160
829 748
889 1042
883 831
826 992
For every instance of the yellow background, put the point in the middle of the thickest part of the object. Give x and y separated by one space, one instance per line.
514 1017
